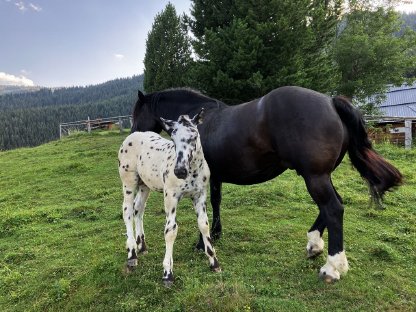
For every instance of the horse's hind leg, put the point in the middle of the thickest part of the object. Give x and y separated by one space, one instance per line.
201 213
316 244
332 211
129 180
139 207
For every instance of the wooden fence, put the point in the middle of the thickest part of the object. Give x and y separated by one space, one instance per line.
92 124
396 130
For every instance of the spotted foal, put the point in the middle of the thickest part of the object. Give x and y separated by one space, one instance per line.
178 169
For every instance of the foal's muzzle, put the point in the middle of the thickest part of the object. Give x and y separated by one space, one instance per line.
180 173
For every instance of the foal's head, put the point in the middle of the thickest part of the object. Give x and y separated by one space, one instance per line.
185 135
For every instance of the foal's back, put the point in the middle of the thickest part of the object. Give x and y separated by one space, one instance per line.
147 154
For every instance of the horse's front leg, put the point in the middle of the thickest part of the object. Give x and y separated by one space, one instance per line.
216 228
201 212
171 230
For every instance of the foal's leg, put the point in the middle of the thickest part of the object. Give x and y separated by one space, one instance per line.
315 244
129 180
324 194
139 207
216 228
171 230
201 212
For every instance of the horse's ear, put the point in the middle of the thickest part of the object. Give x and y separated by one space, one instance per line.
141 96
199 118
167 124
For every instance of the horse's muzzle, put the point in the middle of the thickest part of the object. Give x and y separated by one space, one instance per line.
180 173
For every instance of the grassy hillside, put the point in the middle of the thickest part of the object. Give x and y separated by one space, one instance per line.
62 240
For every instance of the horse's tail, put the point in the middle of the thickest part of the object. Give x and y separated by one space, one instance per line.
381 175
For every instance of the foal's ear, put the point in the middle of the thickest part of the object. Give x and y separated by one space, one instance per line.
167 124
141 96
199 118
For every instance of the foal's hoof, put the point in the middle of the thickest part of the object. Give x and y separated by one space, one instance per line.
168 278
216 270
132 262
167 283
129 269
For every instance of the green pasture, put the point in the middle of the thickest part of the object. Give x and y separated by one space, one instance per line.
62 243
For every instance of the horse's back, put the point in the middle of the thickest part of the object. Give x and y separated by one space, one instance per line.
306 129
144 154
290 127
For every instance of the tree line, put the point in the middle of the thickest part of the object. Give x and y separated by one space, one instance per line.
33 118
239 50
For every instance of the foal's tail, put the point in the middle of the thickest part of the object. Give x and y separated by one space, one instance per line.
380 174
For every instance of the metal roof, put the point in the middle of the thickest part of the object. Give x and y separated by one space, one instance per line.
400 101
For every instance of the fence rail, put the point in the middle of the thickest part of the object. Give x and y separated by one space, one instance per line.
88 125
121 121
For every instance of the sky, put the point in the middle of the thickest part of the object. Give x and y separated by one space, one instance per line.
57 43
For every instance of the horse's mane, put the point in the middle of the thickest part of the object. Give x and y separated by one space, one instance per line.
166 102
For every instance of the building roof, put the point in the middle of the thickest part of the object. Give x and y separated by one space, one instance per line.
400 102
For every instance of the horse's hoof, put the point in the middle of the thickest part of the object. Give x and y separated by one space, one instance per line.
200 246
313 253
315 244
132 262
327 278
216 235
216 270
143 252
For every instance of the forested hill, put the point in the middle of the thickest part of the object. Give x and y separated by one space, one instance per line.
32 118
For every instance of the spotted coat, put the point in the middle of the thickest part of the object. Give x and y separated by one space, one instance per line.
148 162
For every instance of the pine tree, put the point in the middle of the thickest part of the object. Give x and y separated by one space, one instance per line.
168 52
247 48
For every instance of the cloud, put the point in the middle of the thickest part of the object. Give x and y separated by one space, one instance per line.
35 7
23 6
119 56
11 80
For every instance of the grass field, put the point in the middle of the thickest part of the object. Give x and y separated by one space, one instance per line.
62 243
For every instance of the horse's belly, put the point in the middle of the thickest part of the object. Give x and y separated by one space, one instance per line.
151 173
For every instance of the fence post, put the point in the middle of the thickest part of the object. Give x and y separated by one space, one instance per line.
120 124
89 125
408 133
60 131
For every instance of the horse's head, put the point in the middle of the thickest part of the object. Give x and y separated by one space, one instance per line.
143 117
185 136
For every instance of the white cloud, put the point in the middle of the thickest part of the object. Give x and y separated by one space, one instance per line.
119 56
11 80
35 7
21 5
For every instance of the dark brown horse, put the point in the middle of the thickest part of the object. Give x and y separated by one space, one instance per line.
288 128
